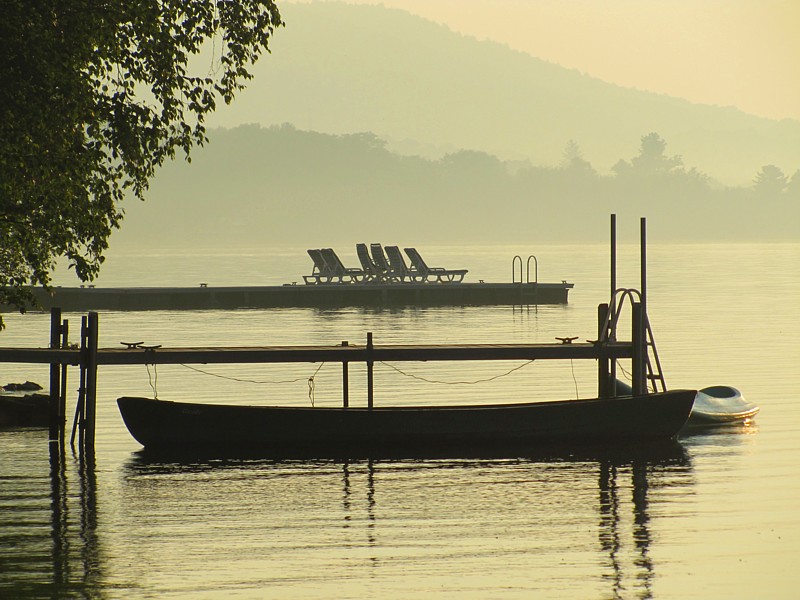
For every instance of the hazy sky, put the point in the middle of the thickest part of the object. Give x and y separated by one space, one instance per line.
743 53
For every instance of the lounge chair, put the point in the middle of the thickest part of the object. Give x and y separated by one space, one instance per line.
371 270
321 273
389 273
431 274
338 270
398 265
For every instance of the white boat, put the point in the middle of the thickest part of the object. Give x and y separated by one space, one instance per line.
721 404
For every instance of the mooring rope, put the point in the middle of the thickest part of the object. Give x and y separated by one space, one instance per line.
256 381
150 379
311 381
574 379
493 378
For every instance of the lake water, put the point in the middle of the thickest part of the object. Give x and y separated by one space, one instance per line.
715 516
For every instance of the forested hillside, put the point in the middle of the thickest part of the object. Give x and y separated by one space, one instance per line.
339 68
258 186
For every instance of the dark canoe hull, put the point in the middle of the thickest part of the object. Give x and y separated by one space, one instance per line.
284 431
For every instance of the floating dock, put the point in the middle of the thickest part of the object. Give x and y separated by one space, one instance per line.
332 295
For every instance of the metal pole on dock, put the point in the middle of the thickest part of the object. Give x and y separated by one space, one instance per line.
370 364
613 268
90 364
643 261
345 381
56 418
612 368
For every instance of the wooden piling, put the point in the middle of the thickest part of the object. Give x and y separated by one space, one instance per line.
62 401
370 363
90 364
56 418
604 386
638 360
345 381
643 261
79 423
613 269
612 372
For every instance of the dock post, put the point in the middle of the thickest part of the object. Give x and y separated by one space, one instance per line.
613 269
638 362
79 422
90 396
56 418
605 388
643 261
62 401
370 364
612 373
345 381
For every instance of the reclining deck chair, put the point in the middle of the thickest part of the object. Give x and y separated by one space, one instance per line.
338 270
430 274
321 273
371 270
398 265
390 274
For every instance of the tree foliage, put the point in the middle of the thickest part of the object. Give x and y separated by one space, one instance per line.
651 161
95 96
770 182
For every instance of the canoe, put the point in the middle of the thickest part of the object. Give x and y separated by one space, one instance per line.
721 404
285 431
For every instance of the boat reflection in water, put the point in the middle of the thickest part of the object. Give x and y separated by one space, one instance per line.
425 511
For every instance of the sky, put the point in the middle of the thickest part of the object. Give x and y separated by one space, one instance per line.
742 53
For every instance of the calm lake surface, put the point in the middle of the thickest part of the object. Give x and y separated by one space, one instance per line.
716 515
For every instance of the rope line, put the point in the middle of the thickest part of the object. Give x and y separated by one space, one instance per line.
574 379
256 381
494 377
153 381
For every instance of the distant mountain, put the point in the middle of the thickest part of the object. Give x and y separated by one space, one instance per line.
255 186
339 68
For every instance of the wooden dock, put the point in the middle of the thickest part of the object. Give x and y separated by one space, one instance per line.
333 295
61 354
88 357
314 354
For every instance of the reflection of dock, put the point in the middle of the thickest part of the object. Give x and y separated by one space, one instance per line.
331 295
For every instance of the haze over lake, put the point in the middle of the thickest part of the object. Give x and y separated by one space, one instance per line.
474 130
367 120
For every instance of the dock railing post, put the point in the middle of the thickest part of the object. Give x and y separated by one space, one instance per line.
345 381
638 362
605 389
79 422
643 261
370 363
56 418
62 401
90 396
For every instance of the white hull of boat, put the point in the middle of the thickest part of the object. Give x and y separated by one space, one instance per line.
721 404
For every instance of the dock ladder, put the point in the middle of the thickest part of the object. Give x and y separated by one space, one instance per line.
654 373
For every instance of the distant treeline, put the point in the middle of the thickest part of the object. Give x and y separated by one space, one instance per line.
283 184
652 171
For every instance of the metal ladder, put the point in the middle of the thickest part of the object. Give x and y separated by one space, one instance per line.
654 373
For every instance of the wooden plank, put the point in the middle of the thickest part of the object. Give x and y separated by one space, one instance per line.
294 354
285 354
40 356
